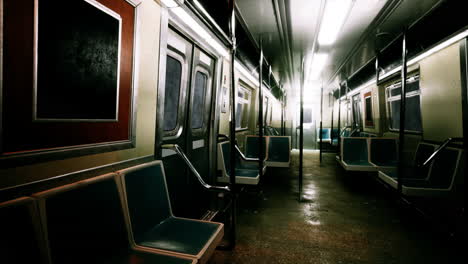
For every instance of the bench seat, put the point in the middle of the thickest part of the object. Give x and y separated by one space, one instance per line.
246 172
153 226
278 151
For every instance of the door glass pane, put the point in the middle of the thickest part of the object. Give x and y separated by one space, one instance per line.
172 93
198 106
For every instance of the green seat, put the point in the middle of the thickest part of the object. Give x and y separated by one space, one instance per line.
355 153
85 224
152 222
384 152
19 242
251 146
278 151
245 173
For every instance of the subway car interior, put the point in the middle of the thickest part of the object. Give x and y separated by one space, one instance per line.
241 131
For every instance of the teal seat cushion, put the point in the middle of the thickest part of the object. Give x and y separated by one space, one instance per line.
325 133
179 235
246 173
247 166
355 151
278 149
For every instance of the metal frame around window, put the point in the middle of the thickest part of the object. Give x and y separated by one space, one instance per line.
242 88
177 131
389 98
207 95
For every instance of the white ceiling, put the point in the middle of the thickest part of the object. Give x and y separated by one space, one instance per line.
289 29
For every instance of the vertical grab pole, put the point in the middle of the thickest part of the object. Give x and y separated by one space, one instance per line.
282 113
301 132
261 148
321 120
232 129
402 113
339 120
332 110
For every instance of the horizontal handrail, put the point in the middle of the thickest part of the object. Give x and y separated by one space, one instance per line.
437 152
243 156
181 153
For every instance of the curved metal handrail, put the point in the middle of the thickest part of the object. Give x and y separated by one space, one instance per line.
238 150
437 152
181 153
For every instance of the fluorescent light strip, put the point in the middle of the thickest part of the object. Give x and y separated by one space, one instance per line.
197 28
245 72
428 53
332 21
318 63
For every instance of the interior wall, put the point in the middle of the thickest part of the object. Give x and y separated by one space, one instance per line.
145 85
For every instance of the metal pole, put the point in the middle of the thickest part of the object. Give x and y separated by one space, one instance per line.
232 129
402 114
332 110
321 120
282 115
339 121
261 148
301 133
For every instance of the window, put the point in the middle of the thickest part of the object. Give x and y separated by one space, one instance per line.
368 110
413 121
198 104
356 111
307 115
172 93
243 106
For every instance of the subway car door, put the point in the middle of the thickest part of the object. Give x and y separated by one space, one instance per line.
186 122
199 127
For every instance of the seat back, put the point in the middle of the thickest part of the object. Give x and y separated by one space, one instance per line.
423 152
225 152
146 195
279 148
384 151
355 150
251 146
444 168
19 232
84 221
325 134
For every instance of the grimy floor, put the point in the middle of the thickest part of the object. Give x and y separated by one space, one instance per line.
342 219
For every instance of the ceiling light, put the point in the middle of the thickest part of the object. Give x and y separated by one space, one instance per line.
332 21
172 3
318 63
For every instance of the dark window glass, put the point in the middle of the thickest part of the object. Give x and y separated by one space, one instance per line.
198 106
172 93
413 120
239 115
369 119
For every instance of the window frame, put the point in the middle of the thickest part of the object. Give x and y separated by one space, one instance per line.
209 82
242 88
177 131
392 98
368 123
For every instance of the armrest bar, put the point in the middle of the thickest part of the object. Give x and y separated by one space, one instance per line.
439 150
244 157
181 154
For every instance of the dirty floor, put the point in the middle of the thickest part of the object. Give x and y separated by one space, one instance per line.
342 218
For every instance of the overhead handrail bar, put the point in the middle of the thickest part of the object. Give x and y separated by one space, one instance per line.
180 152
437 152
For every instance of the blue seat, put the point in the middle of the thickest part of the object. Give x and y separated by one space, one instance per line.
85 224
278 154
355 155
251 146
153 225
326 135
20 237
244 174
